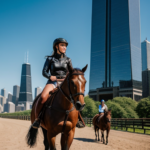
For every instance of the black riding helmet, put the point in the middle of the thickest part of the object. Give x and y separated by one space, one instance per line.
59 40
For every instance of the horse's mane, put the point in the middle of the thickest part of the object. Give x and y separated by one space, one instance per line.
77 69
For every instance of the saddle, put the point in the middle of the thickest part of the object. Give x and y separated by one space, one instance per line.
53 91
99 117
49 101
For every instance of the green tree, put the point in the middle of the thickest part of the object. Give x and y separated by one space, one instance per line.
124 105
143 108
116 110
123 101
90 108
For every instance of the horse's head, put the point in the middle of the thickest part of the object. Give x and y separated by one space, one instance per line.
76 85
107 115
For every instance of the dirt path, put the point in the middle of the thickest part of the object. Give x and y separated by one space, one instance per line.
13 132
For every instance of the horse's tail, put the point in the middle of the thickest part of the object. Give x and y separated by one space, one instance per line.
32 133
31 136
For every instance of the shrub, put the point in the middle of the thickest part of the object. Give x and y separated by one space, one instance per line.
143 108
90 108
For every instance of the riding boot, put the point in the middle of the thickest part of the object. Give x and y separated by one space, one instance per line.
38 115
80 123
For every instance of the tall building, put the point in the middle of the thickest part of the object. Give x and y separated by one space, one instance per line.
3 92
16 90
38 90
9 97
1 108
146 83
2 100
25 95
115 65
9 107
20 107
145 47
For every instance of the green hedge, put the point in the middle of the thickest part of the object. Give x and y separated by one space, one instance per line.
18 113
122 107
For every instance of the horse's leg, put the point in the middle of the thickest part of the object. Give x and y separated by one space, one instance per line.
45 139
51 141
98 134
107 136
66 139
95 133
103 138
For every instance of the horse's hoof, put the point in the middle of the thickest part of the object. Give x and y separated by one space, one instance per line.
98 139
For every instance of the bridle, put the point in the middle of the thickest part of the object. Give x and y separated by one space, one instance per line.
70 97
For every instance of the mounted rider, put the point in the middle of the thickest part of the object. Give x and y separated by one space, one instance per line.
55 70
102 108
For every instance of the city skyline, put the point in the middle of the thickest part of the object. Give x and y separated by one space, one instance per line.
21 35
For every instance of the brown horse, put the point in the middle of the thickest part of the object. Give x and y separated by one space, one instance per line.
61 114
103 124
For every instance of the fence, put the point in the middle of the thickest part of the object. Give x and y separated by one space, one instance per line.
117 123
125 123
16 117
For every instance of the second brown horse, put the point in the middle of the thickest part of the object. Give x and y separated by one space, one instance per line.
103 124
62 115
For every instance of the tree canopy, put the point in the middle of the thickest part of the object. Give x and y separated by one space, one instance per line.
143 108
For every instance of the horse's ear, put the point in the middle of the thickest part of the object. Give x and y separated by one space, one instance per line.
84 69
105 111
109 110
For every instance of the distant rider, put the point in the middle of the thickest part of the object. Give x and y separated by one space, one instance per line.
102 107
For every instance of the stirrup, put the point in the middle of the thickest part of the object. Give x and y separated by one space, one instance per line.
80 124
36 123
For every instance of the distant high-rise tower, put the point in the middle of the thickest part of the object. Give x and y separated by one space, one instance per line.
145 47
115 65
16 90
25 95
9 97
3 92
38 90
25 86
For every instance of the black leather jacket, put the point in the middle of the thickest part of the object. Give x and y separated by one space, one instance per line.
57 66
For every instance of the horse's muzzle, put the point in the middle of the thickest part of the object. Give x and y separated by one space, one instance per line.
79 106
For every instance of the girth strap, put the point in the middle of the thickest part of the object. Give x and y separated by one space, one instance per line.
63 111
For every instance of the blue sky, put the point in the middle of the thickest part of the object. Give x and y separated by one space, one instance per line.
32 25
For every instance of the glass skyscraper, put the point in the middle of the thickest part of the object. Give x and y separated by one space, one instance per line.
115 46
145 47
25 94
25 86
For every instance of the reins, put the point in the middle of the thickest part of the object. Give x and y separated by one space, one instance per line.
69 98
